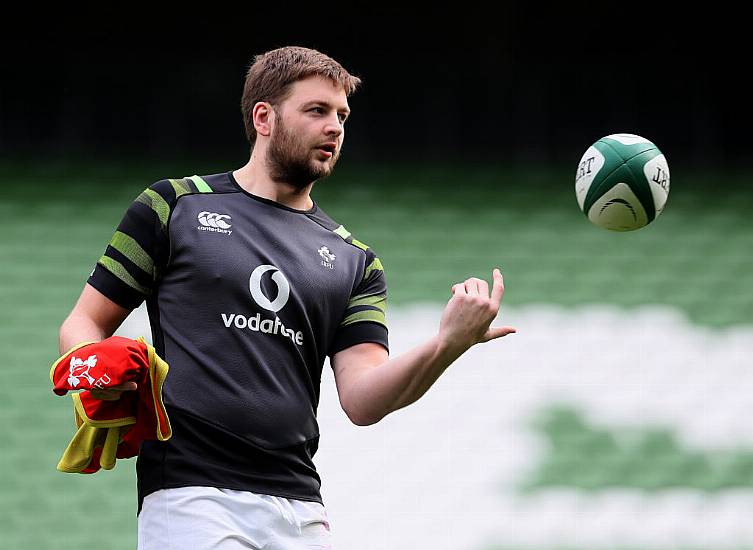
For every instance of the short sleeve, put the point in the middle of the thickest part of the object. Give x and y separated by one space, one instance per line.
365 315
134 259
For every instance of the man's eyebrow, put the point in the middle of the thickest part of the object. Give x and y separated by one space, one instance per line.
345 110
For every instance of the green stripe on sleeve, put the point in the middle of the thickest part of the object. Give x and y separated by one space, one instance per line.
127 245
360 245
344 233
180 187
154 201
365 315
376 265
117 269
201 185
378 301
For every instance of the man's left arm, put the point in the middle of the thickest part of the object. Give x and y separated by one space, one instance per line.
370 385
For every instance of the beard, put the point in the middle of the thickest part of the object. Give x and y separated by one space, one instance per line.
291 161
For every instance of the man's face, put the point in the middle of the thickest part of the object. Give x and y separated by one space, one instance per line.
308 132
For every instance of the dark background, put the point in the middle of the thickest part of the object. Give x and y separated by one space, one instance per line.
517 84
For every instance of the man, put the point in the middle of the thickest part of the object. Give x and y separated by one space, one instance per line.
249 287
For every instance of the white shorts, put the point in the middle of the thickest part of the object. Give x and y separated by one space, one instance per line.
200 518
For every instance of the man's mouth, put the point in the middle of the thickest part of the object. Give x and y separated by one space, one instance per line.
328 149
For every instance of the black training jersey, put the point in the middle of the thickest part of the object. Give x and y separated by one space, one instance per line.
246 298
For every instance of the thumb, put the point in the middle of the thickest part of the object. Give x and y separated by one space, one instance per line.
497 332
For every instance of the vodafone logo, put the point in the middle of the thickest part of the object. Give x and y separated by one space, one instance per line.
214 222
256 323
283 288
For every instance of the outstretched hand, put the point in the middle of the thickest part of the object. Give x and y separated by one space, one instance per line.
468 315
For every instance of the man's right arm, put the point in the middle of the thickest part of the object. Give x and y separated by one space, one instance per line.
93 318
127 271
371 385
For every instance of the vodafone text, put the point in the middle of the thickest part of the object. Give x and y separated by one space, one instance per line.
267 326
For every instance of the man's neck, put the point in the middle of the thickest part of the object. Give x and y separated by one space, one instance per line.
254 178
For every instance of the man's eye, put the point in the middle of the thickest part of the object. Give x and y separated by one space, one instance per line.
317 110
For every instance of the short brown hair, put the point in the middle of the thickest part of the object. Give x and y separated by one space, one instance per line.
274 72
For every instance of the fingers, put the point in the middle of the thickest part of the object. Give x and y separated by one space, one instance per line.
498 288
471 287
470 312
105 395
477 287
113 393
125 386
498 332
483 288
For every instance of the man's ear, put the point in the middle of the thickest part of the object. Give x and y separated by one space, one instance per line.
263 117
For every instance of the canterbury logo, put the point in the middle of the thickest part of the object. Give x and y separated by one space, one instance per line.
214 222
211 219
283 288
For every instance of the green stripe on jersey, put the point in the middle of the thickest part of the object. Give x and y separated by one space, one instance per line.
117 269
344 233
201 185
128 247
377 301
181 187
374 315
360 245
376 265
154 201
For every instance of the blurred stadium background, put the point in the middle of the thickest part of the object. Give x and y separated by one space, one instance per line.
617 417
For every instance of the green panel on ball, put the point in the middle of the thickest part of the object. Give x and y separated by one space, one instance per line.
623 150
604 190
612 161
640 185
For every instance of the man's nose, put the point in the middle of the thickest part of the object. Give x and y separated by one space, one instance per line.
333 127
